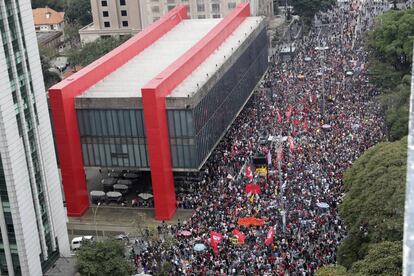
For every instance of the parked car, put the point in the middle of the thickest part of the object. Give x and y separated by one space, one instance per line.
76 242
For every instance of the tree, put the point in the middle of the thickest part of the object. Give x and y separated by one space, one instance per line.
94 50
49 77
57 5
383 258
78 12
71 31
104 258
391 41
332 270
307 9
373 208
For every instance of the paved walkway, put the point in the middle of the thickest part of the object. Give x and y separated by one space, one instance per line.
111 221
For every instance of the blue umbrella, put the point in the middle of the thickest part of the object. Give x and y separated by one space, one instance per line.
199 247
322 205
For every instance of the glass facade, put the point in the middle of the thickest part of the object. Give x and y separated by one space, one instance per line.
116 138
113 138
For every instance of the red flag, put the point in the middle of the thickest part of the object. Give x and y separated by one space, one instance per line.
249 173
215 239
253 188
270 236
279 117
291 145
239 235
305 125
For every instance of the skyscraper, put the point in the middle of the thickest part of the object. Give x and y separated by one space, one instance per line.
32 217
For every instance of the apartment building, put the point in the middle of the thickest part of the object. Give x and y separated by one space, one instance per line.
33 230
120 17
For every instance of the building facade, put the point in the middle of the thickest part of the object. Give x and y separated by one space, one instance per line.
32 216
120 17
112 18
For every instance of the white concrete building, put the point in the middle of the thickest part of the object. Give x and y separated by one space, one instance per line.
32 216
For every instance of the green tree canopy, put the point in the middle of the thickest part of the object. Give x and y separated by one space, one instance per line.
383 259
332 270
373 208
307 9
94 50
391 41
104 258
78 12
57 5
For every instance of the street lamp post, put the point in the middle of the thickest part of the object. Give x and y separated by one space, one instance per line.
94 220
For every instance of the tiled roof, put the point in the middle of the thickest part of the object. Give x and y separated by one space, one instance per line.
40 16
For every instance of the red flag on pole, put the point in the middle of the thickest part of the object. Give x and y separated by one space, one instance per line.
249 173
279 117
239 235
291 145
215 239
270 236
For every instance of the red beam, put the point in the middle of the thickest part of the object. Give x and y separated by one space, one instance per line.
62 101
153 97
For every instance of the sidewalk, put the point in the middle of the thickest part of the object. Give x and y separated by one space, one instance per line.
111 221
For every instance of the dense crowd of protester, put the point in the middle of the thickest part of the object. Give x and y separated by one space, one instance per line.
323 103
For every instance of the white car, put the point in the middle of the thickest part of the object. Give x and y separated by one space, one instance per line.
77 241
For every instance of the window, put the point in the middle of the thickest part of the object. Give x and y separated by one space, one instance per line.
155 19
155 9
105 14
124 13
170 7
202 16
188 8
216 16
231 5
171 1
200 8
215 8
104 3
124 23
122 2
107 24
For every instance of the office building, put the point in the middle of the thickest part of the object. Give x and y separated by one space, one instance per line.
32 216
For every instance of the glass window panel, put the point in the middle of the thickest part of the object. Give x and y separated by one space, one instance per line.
171 123
183 123
108 115
127 122
80 122
91 116
137 155
190 123
104 123
115 123
97 122
177 121
140 126
144 159
113 155
85 155
87 125
180 152
187 159
91 155
102 155
133 120
121 123
174 156
131 155
108 155
96 154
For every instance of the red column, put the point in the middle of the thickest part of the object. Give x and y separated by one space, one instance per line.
156 128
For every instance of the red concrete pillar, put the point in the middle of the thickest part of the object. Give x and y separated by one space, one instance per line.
156 127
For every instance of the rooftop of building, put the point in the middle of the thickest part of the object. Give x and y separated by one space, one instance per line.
47 16
127 81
